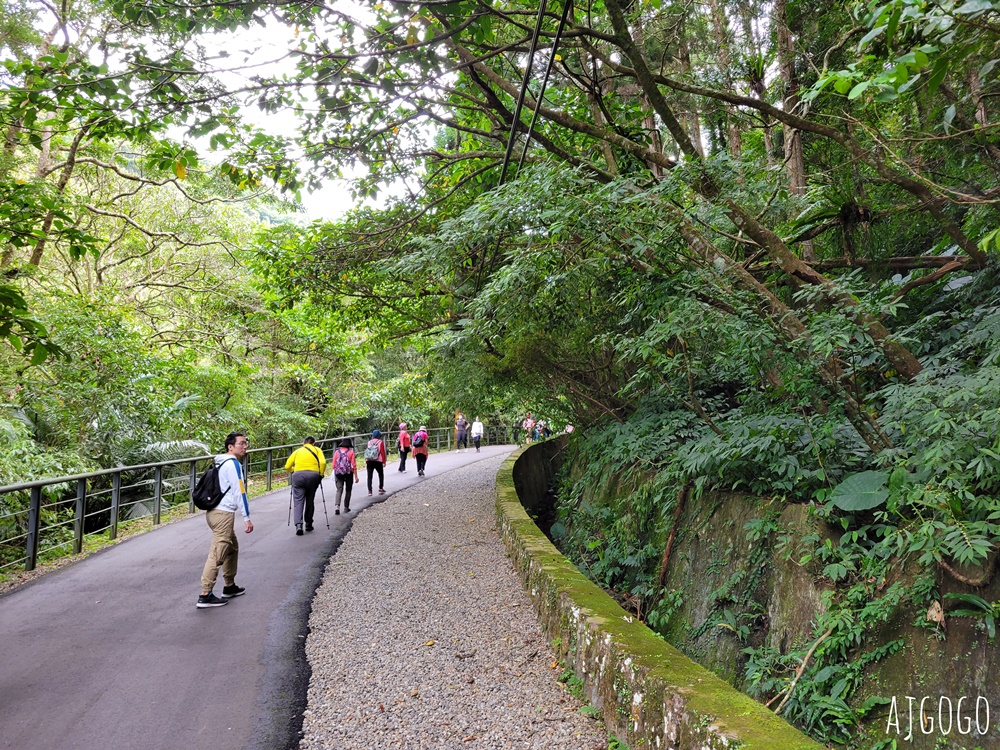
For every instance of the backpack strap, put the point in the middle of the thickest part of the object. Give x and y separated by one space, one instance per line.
218 467
314 456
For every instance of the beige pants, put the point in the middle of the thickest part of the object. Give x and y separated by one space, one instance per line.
225 549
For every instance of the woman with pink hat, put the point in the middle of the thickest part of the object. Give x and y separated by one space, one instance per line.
420 449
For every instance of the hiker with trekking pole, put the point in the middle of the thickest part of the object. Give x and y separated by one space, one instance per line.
307 466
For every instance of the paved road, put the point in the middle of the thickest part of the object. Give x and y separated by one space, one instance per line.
111 653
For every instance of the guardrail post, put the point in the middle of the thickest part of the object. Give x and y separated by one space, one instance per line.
270 468
116 493
157 494
78 516
194 480
437 440
34 524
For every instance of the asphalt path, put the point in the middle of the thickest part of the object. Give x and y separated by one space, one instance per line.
111 652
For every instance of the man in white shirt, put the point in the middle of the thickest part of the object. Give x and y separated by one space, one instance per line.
225 549
477 433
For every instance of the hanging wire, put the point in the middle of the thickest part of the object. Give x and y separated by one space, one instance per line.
545 81
524 88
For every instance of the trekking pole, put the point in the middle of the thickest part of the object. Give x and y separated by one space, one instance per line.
291 492
322 494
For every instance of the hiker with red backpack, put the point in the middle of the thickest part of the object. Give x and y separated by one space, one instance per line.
344 465
420 449
375 460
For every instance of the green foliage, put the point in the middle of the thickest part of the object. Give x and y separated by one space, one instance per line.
22 331
862 491
814 326
23 460
979 608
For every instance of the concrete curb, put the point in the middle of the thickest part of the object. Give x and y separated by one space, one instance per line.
650 695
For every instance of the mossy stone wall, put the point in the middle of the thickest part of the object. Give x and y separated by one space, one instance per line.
781 599
650 695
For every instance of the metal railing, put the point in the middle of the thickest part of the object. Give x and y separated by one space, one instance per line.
61 511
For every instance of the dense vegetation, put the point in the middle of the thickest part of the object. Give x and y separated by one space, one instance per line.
750 246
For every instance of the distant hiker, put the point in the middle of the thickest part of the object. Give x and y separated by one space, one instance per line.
403 444
461 432
375 460
307 465
528 425
476 432
420 449
344 465
517 431
225 549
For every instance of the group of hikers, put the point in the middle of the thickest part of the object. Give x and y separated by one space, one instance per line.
463 430
535 429
307 466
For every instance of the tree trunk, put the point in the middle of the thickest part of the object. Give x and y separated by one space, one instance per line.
597 76
691 118
720 29
67 171
795 163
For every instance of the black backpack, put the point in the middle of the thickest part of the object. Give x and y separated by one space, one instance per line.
418 440
208 493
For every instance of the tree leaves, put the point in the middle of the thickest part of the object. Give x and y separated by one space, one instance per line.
22 331
862 491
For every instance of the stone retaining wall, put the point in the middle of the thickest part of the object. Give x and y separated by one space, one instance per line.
650 695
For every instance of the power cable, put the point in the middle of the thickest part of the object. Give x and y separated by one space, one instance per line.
524 88
545 81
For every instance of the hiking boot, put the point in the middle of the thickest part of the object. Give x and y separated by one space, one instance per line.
298 529
210 600
381 491
336 512
346 509
228 592
309 527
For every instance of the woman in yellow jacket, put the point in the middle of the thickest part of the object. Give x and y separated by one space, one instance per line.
307 466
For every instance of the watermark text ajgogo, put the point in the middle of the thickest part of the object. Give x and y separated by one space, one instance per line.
941 715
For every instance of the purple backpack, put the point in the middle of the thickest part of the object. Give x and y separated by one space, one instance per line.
342 461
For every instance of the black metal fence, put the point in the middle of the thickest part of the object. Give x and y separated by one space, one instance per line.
50 517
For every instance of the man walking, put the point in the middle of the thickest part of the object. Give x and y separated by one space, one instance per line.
307 465
225 549
477 432
461 432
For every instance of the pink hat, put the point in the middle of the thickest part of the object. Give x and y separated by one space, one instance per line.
402 425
